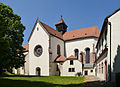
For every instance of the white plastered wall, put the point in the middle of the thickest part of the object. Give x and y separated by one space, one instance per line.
79 44
115 43
39 37
66 65
54 42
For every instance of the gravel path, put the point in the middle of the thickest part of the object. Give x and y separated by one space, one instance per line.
93 81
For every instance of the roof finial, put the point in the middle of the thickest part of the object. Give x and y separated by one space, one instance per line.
61 16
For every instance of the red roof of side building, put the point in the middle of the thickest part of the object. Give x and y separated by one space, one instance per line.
72 57
61 59
82 33
26 47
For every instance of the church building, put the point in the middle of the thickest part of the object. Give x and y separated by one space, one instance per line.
51 52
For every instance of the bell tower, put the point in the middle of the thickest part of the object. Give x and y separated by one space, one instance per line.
61 26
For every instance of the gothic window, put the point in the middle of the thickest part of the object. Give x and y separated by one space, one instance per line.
58 50
87 55
76 53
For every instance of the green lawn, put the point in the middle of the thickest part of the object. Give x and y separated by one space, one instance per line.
50 81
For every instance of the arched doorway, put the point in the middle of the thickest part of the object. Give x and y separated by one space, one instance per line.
105 71
38 71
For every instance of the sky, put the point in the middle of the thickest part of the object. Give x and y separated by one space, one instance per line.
76 13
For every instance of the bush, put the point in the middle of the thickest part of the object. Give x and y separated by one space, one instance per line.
117 77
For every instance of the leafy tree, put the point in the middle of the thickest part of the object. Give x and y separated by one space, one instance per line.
11 38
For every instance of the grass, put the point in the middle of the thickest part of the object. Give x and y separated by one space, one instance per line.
50 81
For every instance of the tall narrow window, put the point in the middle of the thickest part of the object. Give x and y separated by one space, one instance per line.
87 55
102 67
58 50
76 53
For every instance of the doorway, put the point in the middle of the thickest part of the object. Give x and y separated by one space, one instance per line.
38 71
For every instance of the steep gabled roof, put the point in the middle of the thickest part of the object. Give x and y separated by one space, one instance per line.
52 31
48 29
74 34
82 33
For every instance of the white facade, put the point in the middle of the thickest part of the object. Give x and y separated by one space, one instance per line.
80 44
49 39
77 65
43 61
112 44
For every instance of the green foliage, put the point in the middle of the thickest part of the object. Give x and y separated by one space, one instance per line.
11 38
47 81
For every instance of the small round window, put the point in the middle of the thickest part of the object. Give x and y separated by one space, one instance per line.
38 50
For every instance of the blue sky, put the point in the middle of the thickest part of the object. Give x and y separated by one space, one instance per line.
76 13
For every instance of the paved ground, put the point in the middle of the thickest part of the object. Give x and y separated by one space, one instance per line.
92 81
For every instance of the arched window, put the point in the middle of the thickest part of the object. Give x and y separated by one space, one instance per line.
58 50
76 53
87 55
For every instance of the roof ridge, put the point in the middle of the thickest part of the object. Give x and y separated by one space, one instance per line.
81 28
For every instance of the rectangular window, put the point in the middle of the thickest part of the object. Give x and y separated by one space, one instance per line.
71 62
71 69
57 69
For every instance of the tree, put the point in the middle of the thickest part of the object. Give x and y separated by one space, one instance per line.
11 38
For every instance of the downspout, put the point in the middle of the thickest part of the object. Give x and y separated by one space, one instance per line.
109 23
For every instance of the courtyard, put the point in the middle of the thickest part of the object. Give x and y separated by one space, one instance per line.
50 81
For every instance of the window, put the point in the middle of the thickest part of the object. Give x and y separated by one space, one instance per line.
76 53
102 67
58 50
71 62
37 28
87 55
91 71
71 69
57 69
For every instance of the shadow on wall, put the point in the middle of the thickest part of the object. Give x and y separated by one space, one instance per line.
116 64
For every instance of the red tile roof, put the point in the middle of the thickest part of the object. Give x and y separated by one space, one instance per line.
61 59
26 47
74 34
72 57
82 33
52 31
